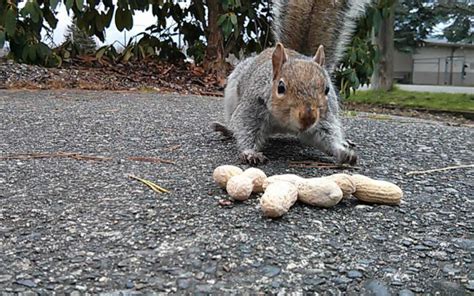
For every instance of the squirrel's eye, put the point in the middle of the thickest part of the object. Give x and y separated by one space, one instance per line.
281 87
326 91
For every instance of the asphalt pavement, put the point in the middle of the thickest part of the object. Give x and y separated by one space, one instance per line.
72 225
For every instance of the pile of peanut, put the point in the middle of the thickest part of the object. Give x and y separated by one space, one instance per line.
280 192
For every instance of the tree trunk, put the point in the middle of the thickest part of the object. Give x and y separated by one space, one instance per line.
382 78
214 60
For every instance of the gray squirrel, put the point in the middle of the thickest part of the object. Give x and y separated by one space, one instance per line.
288 89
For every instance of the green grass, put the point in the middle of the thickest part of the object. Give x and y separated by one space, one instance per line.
350 113
408 99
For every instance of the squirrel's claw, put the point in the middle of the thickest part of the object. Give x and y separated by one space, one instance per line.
221 128
252 157
347 156
350 144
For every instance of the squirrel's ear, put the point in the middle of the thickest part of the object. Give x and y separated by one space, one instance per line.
278 59
320 57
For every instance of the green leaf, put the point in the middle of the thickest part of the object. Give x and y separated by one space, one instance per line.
127 55
221 19
99 22
43 51
35 12
26 10
233 18
128 19
80 4
2 38
119 19
24 53
53 4
122 4
34 16
32 53
225 4
353 58
142 51
227 28
69 4
225 23
10 22
101 51
108 17
50 18
57 60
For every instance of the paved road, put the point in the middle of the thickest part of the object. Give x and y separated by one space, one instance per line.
75 226
438 88
435 88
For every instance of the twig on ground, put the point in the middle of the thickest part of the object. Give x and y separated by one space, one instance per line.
167 70
440 169
150 184
150 159
72 155
172 148
78 156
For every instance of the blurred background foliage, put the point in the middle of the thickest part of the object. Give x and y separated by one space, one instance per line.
211 30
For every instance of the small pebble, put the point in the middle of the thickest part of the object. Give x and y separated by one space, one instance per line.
270 270
450 269
378 288
406 292
26 283
354 274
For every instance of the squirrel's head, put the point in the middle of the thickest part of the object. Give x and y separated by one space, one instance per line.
300 89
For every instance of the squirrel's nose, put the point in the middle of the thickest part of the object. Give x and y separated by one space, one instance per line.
307 117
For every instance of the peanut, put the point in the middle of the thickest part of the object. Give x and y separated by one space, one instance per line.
240 187
376 191
258 178
278 198
344 182
319 192
223 173
278 178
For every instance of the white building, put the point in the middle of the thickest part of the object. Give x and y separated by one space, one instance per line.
437 63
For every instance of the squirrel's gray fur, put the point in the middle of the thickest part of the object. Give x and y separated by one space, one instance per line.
250 96
341 21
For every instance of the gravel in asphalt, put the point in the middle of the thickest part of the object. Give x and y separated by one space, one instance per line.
78 226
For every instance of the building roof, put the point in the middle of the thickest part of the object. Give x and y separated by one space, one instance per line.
441 43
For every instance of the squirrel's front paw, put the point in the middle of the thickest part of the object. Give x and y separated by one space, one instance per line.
347 156
252 157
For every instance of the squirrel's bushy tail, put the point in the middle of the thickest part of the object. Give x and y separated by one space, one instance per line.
303 25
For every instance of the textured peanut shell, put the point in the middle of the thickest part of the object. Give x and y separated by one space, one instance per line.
278 199
344 182
223 173
376 191
278 178
319 192
240 187
258 178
